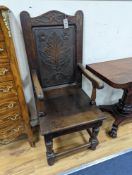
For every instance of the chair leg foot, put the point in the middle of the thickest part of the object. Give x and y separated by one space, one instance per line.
93 139
32 143
50 158
113 132
50 153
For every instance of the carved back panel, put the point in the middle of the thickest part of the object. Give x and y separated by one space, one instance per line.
52 50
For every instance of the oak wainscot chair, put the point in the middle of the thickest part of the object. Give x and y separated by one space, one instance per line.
54 48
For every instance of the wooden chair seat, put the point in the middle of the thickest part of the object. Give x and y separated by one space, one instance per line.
67 111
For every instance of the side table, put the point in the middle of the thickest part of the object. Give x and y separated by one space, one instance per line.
118 74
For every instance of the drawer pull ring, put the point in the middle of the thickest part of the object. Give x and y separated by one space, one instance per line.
14 117
1 49
3 71
17 129
11 105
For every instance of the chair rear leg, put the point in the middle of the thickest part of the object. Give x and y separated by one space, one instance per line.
93 137
49 148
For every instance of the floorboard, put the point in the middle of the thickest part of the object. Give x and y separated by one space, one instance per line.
18 158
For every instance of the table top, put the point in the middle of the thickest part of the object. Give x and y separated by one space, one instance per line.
117 73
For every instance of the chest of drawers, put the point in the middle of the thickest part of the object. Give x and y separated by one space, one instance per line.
14 117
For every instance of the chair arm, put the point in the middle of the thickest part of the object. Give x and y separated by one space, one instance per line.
38 89
93 78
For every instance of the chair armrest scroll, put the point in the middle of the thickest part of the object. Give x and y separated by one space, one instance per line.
93 78
37 86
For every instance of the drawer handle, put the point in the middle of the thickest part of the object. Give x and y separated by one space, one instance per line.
3 71
7 89
11 105
14 117
17 129
1 50
11 117
7 106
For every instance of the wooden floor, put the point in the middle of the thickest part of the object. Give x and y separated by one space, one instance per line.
19 158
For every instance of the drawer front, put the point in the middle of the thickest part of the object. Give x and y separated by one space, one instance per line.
5 72
9 105
7 89
3 53
11 132
1 35
10 118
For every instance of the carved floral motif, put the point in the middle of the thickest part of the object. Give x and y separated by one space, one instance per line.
56 54
55 49
49 18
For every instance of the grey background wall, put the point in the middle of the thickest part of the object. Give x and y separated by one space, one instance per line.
107 36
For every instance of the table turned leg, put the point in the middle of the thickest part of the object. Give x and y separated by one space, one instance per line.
113 132
121 111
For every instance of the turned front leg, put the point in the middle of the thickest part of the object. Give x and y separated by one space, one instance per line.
49 148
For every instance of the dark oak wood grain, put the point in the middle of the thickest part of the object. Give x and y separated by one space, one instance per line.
37 86
118 74
76 111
